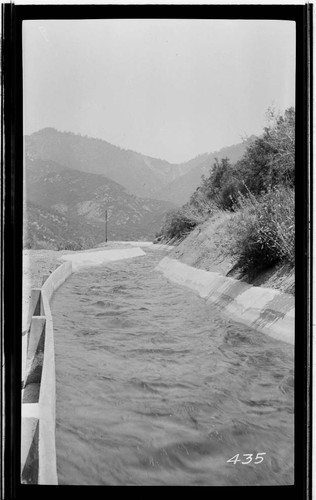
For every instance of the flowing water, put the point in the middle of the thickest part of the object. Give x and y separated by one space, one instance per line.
156 387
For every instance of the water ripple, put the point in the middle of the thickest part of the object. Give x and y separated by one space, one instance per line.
156 387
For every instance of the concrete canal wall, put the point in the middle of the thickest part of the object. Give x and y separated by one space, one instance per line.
38 452
81 260
264 309
38 449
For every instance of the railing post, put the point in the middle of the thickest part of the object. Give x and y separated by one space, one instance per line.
35 350
38 449
35 307
29 450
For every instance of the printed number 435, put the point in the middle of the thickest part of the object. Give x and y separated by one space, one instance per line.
249 456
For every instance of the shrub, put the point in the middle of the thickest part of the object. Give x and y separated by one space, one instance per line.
211 187
180 222
220 190
73 245
263 229
264 226
230 194
269 160
43 245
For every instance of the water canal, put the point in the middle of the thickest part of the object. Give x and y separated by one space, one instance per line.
156 387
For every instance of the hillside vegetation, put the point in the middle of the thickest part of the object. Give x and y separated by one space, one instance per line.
252 198
66 209
49 229
180 189
70 181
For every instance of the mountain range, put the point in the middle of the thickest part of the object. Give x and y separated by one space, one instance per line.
75 179
82 199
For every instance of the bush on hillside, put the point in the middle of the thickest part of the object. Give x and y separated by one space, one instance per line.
263 229
230 193
43 245
221 188
201 204
269 160
266 170
179 223
211 188
73 245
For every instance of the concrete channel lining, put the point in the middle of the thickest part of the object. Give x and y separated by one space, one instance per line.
38 448
81 260
264 309
38 451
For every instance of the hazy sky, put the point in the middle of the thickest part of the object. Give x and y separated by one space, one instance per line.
171 89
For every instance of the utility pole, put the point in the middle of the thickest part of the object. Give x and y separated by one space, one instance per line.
106 226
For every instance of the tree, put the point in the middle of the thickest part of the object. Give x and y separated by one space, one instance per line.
269 160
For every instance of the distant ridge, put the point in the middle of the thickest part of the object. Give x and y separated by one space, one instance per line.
180 190
141 175
70 181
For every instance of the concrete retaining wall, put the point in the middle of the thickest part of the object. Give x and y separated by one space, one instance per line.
38 451
264 309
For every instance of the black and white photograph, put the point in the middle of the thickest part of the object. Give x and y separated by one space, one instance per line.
158 270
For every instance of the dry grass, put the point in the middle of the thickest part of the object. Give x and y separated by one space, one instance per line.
263 231
209 247
206 247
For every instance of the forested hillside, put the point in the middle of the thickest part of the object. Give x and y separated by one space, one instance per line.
77 179
257 195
